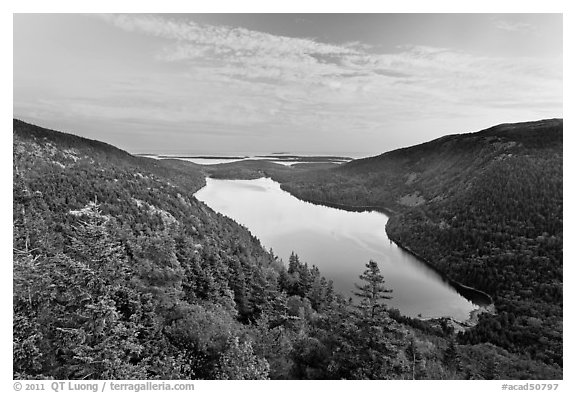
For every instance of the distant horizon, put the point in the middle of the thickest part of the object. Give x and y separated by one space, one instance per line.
229 152
216 154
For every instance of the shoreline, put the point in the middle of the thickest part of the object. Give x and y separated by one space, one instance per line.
473 318
470 322
462 289
362 208
457 285
483 301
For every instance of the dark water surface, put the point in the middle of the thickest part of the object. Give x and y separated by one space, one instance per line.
339 242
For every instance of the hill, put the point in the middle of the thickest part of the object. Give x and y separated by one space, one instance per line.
114 258
431 171
68 149
120 273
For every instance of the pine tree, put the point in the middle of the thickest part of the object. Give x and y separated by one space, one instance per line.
373 292
91 243
451 358
369 341
305 282
293 263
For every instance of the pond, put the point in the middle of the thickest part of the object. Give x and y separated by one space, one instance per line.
339 242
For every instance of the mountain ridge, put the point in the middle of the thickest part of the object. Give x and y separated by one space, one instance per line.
398 179
511 131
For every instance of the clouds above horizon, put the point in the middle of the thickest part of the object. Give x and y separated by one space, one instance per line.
512 26
227 77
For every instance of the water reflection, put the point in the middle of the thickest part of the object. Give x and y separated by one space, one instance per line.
339 242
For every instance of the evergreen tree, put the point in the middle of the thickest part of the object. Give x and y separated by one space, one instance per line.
372 292
368 342
451 358
293 263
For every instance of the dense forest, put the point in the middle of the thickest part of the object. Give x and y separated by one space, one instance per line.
484 208
120 273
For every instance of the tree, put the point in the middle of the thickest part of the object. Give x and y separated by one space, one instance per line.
415 358
365 342
92 242
373 292
490 370
68 325
293 263
451 358
239 362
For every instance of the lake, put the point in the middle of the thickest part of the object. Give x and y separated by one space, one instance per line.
339 242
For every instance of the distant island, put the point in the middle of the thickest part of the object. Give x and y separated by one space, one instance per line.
273 157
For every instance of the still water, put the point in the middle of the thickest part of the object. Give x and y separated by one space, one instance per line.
339 242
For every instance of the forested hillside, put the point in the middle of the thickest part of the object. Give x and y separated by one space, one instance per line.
432 171
484 208
114 261
120 273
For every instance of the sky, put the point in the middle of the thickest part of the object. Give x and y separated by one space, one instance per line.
359 84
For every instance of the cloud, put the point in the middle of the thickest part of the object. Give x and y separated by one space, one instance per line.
233 77
224 39
244 54
511 26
